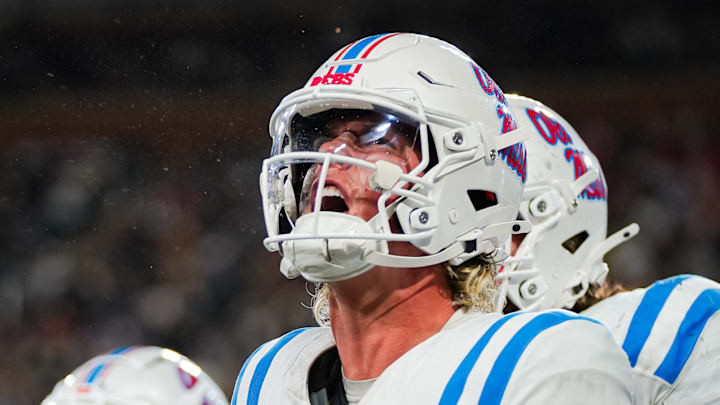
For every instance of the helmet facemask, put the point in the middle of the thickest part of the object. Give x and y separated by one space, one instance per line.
334 177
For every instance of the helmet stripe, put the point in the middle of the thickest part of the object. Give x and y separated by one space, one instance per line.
357 68
341 54
355 51
102 367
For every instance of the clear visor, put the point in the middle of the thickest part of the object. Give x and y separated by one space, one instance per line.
355 140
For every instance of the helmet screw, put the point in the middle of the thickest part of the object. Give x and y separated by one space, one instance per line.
423 217
542 205
458 138
454 216
574 202
532 289
516 228
493 154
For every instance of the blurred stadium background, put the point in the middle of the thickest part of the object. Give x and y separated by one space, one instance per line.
132 131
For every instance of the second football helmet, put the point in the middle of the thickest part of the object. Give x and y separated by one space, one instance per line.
137 375
566 202
418 98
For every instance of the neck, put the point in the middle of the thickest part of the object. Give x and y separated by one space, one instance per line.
380 315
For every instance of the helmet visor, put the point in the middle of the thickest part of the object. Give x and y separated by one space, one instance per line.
362 135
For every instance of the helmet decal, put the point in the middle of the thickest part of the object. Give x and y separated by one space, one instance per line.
187 379
552 131
98 372
343 74
514 155
488 84
596 190
516 158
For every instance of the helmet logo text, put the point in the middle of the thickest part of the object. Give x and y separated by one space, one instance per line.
333 78
548 128
514 155
552 132
596 190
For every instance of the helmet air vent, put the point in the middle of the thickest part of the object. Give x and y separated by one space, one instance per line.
430 80
574 243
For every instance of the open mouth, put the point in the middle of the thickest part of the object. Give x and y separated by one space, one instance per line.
332 200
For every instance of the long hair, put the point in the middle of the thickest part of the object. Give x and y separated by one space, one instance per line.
597 293
472 285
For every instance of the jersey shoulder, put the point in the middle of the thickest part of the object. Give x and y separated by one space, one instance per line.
521 358
277 371
668 331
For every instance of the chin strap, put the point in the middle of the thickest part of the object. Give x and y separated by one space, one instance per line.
388 260
455 253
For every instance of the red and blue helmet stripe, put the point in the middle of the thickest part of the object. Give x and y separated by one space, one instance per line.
359 50
102 368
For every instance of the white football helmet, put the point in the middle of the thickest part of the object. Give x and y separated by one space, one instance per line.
460 199
566 202
137 375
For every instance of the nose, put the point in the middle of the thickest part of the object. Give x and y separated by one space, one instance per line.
337 148
341 145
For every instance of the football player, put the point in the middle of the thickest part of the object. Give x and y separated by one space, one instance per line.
668 330
393 183
137 375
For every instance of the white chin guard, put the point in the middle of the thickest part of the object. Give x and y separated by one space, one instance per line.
320 257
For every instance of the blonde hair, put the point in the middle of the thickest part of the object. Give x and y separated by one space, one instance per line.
472 285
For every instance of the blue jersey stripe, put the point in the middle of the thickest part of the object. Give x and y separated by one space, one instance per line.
242 372
355 51
646 315
705 305
263 366
499 376
456 385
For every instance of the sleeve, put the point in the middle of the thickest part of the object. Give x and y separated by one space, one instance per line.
575 362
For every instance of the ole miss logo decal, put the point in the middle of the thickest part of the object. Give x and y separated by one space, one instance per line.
514 156
555 134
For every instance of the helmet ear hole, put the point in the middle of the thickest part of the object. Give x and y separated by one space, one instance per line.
482 199
574 243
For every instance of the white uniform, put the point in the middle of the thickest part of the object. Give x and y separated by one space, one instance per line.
553 357
671 334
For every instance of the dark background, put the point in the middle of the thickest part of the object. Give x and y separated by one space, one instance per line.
132 132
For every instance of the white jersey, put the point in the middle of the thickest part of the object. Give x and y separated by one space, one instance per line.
552 357
671 334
